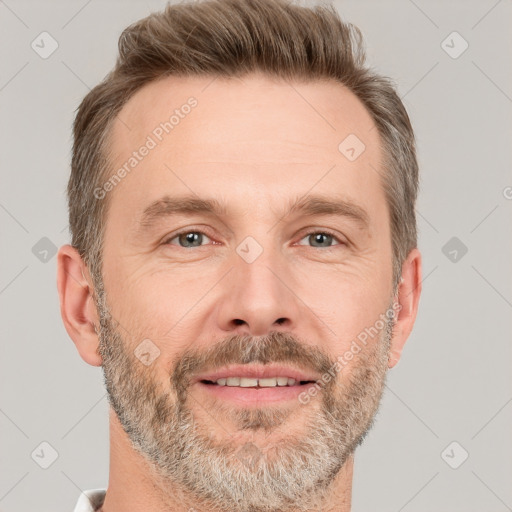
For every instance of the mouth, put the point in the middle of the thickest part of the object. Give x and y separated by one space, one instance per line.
255 384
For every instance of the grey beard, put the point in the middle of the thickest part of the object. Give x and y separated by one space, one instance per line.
290 474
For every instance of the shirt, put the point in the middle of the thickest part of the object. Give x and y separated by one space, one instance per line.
90 501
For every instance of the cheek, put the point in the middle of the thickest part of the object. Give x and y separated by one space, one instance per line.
349 314
348 305
165 308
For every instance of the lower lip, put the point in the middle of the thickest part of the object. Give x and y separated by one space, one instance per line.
250 396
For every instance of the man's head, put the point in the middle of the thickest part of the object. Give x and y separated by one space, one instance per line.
242 201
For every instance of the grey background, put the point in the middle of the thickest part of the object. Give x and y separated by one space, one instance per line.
453 382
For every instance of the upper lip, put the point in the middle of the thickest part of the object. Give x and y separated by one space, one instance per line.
256 372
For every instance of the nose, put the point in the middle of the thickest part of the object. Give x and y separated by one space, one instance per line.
257 297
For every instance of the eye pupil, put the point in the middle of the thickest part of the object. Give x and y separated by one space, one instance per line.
195 239
191 237
321 238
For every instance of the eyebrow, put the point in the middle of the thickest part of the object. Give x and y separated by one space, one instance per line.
309 206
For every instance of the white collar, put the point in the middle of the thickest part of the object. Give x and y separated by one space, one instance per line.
90 500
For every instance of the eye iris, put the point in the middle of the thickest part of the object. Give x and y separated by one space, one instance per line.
191 237
195 238
320 237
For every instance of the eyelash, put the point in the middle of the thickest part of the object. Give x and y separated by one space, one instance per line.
312 232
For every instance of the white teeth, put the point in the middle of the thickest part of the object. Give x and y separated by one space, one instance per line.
248 382
271 382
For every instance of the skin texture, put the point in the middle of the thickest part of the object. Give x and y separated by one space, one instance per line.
255 144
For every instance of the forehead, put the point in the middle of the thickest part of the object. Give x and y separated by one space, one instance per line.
314 114
241 139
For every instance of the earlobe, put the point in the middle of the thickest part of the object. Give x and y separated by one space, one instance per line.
408 295
77 307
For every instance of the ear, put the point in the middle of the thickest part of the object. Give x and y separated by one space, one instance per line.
77 306
408 296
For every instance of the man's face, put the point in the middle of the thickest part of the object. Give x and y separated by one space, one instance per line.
203 310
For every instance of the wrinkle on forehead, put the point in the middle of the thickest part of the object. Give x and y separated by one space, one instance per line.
294 122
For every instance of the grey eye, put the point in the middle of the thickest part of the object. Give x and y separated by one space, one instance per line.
189 239
321 239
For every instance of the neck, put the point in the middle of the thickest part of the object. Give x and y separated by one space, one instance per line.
133 486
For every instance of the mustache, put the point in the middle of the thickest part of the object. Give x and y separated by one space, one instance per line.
274 347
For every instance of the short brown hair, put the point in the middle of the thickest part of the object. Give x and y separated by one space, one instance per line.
231 38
